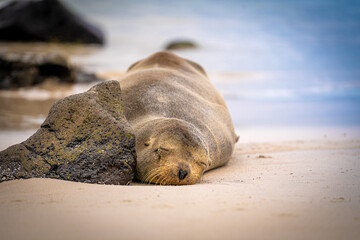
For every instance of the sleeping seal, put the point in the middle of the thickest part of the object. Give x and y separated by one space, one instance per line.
181 123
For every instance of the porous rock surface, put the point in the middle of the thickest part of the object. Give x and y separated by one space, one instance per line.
85 138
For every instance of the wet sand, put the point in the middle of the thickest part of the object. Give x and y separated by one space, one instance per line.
273 190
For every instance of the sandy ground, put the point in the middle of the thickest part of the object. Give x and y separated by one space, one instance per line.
277 190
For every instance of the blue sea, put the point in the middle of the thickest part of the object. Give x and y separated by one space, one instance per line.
276 62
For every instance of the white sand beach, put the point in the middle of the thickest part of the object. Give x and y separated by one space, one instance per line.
274 190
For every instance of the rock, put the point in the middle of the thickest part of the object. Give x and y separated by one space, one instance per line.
180 44
85 138
45 21
28 69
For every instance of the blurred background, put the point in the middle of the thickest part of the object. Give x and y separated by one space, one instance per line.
287 69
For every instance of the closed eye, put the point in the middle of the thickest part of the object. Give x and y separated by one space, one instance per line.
162 149
202 164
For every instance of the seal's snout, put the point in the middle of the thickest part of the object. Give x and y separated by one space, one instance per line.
184 171
182 174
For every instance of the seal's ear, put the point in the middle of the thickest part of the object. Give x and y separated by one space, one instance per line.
148 141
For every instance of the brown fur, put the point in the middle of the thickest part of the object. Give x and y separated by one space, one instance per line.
182 126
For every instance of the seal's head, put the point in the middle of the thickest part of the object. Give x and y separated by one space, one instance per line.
171 152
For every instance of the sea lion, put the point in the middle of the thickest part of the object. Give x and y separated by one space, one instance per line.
182 125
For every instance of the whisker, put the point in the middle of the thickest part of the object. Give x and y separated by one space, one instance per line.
156 174
161 180
149 174
149 180
165 180
151 177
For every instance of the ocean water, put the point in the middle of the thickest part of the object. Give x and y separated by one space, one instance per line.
278 64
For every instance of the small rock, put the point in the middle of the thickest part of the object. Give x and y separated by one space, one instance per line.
263 156
180 44
28 69
45 21
85 138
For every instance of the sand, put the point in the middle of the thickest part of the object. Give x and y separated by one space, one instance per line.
274 190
